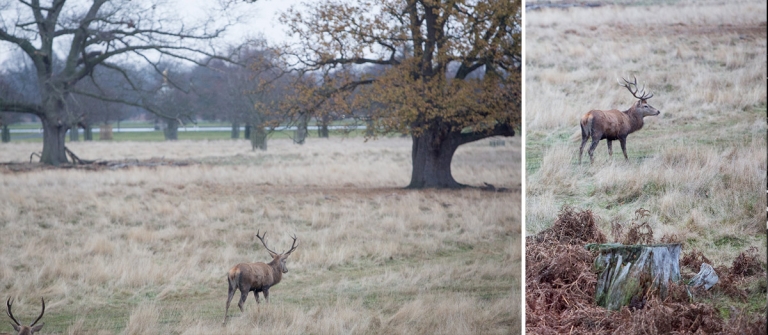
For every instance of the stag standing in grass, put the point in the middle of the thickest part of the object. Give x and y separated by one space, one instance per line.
257 277
21 329
614 124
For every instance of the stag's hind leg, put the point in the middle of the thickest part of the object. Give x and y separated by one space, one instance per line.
591 152
230 294
581 148
243 296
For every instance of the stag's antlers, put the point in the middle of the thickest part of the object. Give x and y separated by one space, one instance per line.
9 303
261 238
293 246
629 85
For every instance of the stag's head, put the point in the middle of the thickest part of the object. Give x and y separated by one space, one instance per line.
278 259
641 106
22 329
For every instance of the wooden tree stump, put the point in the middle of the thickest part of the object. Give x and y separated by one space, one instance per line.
631 271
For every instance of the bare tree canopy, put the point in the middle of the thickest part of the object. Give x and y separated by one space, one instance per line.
447 72
67 40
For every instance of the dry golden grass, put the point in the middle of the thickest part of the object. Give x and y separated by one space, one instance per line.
146 250
703 61
330 162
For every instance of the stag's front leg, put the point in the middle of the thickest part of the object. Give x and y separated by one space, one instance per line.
256 295
623 142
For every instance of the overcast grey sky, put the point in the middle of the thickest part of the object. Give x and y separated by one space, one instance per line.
265 19
261 19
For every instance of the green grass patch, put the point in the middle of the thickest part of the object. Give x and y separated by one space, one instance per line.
730 241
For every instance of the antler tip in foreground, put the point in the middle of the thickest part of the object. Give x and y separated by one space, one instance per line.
41 313
9 303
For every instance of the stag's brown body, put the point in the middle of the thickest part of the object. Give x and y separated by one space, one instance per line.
613 124
256 277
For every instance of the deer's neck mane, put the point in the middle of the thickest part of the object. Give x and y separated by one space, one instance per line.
277 272
636 120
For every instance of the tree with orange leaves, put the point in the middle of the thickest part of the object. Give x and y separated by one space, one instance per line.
446 72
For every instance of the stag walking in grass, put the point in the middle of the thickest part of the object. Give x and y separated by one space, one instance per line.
257 277
614 124
22 329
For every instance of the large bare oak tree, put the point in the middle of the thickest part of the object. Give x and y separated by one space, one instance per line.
66 40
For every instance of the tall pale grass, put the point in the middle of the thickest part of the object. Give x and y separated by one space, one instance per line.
145 250
701 61
385 162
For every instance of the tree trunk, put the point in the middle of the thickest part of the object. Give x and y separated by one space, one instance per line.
259 139
88 132
301 130
247 132
431 156
432 153
629 272
322 131
54 135
6 134
74 134
235 130
369 131
105 132
171 130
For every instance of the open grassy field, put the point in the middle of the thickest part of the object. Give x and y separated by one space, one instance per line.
700 166
146 250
